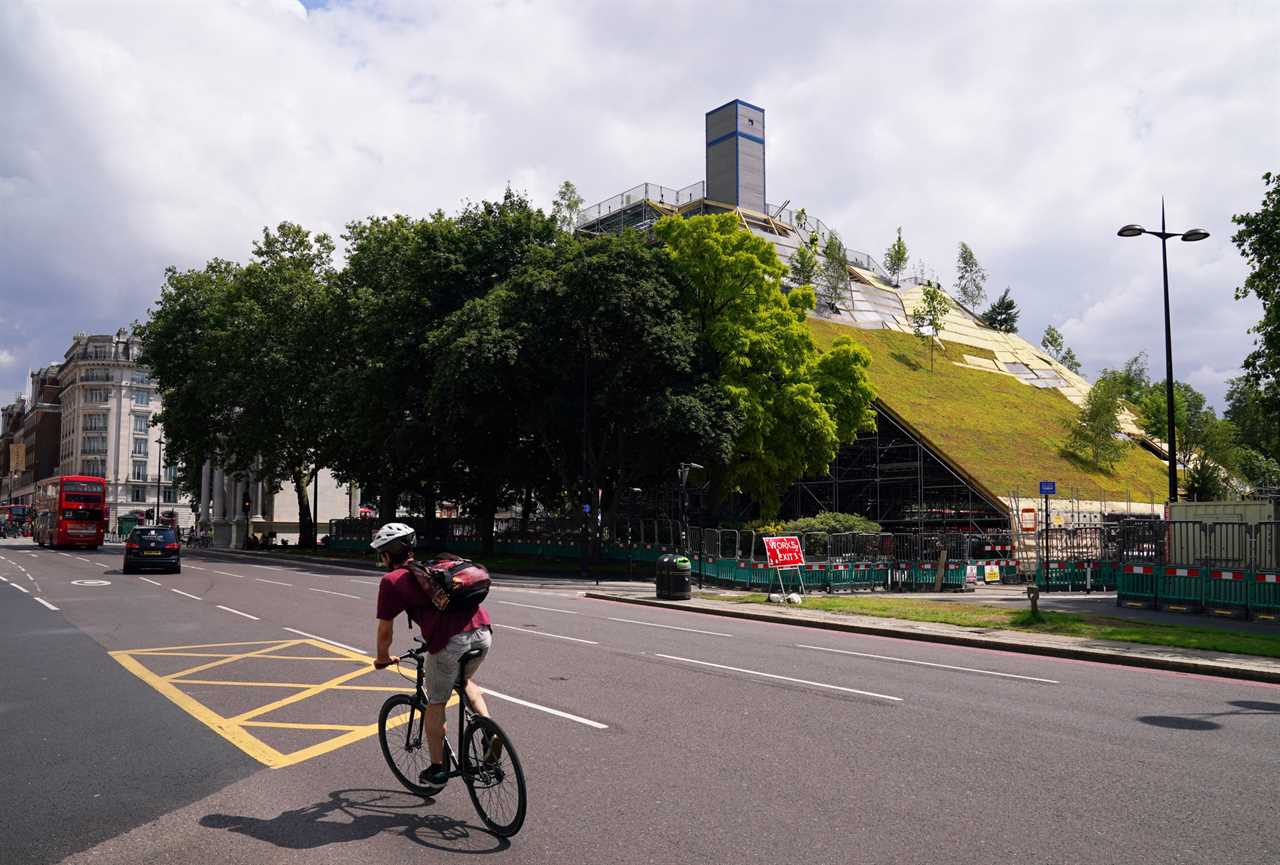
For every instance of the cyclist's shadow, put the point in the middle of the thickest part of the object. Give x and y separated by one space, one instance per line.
371 813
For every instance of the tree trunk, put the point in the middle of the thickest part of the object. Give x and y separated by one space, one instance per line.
486 509
388 501
306 522
526 505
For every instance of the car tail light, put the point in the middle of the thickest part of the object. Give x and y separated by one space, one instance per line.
132 547
171 546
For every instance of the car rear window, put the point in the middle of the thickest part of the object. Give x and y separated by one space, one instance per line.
163 535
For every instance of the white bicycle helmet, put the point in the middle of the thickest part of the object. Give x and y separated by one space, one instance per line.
390 534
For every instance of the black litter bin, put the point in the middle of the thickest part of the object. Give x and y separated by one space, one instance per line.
673 578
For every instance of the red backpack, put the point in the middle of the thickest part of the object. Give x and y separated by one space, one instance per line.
452 584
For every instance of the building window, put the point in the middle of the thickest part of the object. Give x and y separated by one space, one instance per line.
95 422
141 397
137 494
94 444
141 424
96 394
169 494
100 351
91 467
139 470
96 374
140 377
170 473
140 447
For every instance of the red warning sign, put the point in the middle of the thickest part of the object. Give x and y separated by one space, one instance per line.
784 552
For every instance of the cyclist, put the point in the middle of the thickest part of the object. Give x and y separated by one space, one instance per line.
448 634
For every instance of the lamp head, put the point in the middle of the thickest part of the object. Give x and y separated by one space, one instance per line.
1194 235
1131 230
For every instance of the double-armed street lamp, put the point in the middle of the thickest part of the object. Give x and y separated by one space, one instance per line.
1194 234
683 473
159 477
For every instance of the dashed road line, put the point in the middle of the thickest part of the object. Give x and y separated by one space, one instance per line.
559 714
273 582
6 579
339 594
366 582
20 588
780 678
326 640
47 604
83 559
928 664
68 555
670 627
152 582
544 634
237 612
267 567
196 568
229 574
187 594
536 607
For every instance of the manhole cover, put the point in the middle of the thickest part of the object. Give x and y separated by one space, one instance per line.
90 582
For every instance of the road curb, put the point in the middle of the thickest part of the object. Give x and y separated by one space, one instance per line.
1078 653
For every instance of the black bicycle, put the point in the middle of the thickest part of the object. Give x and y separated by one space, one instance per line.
484 760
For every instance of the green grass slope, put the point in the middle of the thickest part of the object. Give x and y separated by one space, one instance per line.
1004 434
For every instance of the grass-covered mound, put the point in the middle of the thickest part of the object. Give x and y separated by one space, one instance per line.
1003 434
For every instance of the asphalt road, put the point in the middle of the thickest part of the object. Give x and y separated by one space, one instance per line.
649 736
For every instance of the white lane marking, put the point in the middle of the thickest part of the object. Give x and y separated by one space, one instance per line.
366 582
46 603
928 664
237 612
536 607
542 634
152 582
195 567
68 555
339 594
187 594
781 678
83 559
101 564
273 582
267 567
20 588
6 579
669 627
33 555
547 709
325 640
229 574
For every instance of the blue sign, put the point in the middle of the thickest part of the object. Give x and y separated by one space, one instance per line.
586 509
1048 488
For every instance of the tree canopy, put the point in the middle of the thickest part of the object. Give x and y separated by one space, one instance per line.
971 279
930 316
1003 314
896 257
1056 346
1258 239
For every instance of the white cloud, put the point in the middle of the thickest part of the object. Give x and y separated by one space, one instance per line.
141 135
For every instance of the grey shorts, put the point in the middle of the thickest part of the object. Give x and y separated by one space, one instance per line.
442 667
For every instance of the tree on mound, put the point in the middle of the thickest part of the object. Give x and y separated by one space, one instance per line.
1094 433
896 257
793 405
928 319
970 278
1003 314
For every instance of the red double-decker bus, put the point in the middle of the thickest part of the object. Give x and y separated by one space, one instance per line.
71 511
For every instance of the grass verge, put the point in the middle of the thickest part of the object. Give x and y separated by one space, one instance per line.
1065 624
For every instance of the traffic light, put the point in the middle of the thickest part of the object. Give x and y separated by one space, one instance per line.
245 504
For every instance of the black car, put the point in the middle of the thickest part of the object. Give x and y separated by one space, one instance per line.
152 547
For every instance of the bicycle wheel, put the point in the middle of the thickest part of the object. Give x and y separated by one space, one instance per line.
494 780
403 744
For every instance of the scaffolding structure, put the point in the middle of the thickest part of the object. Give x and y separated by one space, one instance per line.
893 477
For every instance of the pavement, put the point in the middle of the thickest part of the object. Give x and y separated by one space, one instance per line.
649 735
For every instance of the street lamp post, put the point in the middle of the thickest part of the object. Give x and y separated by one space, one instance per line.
159 477
1194 234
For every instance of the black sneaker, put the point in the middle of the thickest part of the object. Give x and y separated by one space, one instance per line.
435 775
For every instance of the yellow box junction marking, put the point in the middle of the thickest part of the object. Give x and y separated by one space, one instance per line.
236 729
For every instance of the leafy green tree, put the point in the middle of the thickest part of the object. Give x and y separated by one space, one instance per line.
804 266
566 207
834 279
930 317
1132 379
1053 343
1003 314
260 323
1094 433
1258 239
794 405
971 279
1203 438
896 257
1249 410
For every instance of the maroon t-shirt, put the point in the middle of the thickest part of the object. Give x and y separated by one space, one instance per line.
399 592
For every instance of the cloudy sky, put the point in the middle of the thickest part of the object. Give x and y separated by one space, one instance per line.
136 135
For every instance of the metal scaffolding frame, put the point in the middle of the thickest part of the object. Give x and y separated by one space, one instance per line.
894 478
